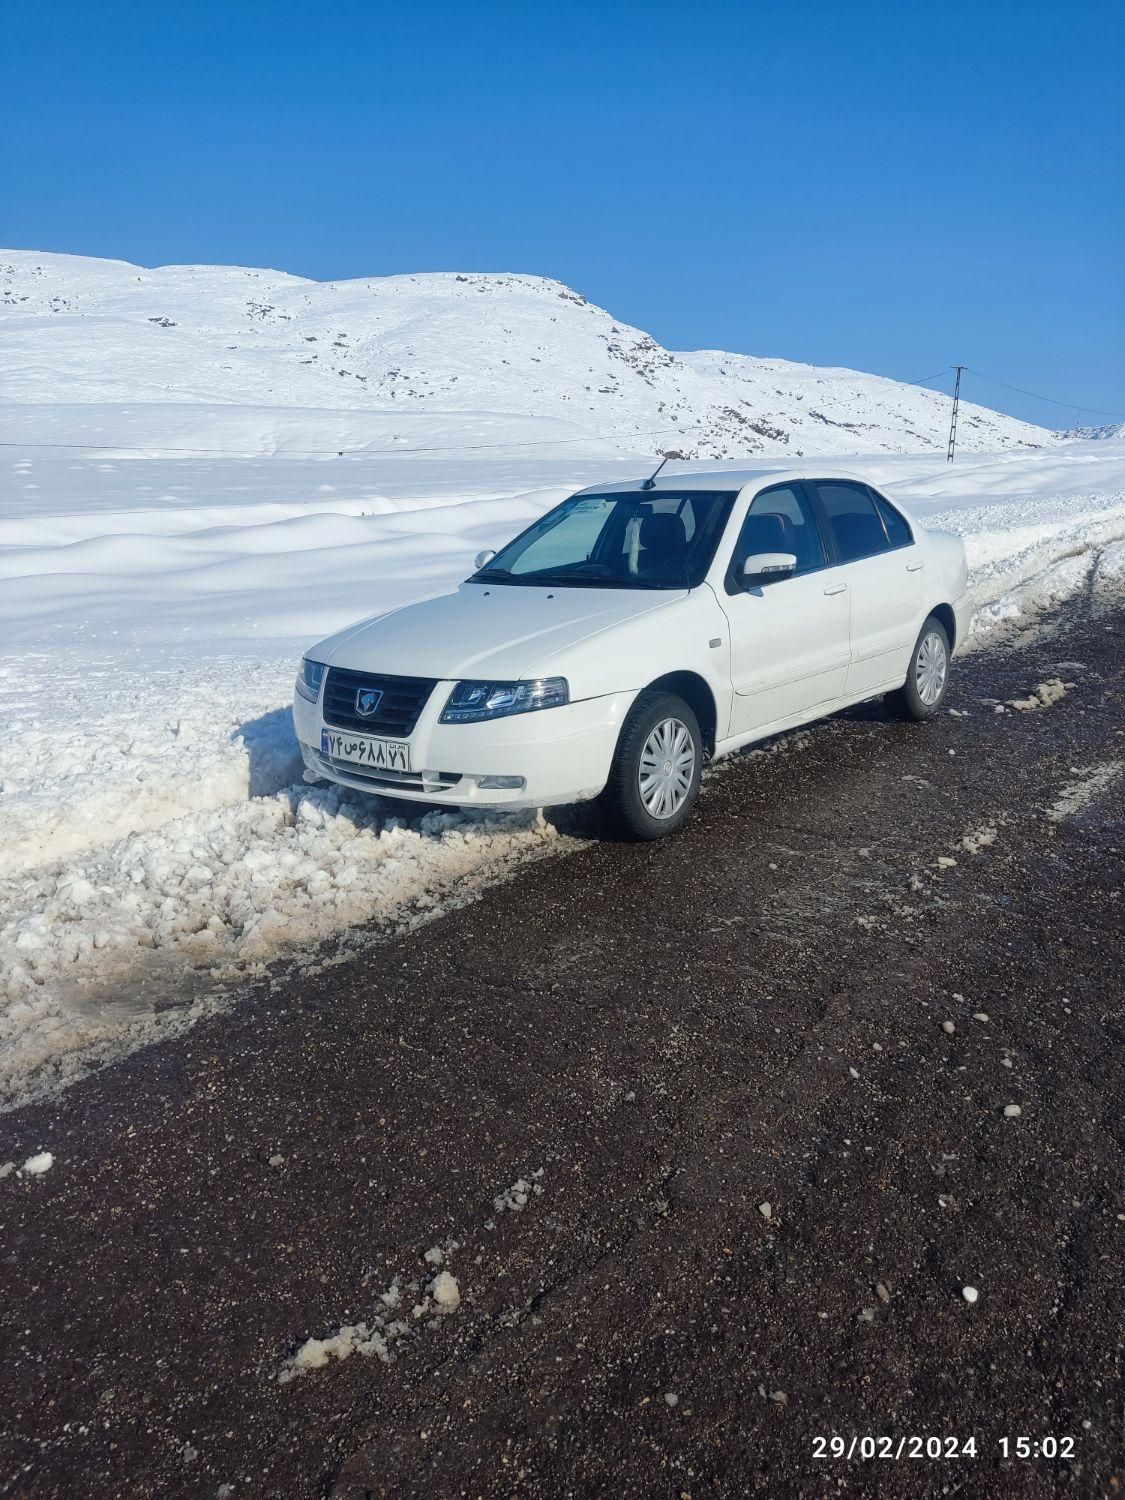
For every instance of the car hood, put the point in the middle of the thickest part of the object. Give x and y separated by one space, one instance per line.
485 631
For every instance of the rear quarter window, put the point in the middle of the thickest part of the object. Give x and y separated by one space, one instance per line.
898 528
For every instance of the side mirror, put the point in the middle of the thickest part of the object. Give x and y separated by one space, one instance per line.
768 567
483 559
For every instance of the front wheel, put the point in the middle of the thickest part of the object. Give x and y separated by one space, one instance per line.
654 780
927 681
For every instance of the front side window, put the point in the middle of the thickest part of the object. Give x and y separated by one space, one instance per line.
853 519
636 540
779 520
898 529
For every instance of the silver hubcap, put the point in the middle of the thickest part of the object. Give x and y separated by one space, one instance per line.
930 668
667 768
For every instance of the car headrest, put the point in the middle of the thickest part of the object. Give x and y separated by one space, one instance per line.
766 534
663 533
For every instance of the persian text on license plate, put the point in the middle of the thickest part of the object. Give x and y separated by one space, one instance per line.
360 750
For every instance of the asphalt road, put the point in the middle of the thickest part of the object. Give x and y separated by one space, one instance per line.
672 1036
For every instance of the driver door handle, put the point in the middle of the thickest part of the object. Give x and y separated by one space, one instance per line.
837 588
915 567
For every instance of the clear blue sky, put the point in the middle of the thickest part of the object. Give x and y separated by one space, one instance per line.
889 186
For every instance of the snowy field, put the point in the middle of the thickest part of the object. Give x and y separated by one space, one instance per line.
158 839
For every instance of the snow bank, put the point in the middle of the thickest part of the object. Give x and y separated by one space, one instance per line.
210 895
98 746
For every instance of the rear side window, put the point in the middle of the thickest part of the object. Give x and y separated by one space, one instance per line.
853 519
897 528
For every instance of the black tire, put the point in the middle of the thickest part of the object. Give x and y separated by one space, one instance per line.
621 806
908 702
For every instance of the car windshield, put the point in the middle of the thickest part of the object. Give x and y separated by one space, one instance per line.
633 541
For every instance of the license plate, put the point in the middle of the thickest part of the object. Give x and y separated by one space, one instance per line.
382 755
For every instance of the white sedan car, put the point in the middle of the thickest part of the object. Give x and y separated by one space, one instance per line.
631 634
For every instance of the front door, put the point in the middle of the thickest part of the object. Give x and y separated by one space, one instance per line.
790 639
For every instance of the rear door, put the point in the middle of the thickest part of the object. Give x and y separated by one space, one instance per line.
789 638
880 563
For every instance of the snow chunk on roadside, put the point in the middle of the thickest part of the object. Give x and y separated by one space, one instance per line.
36 1165
353 1338
980 838
445 1292
377 1337
1045 695
516 1198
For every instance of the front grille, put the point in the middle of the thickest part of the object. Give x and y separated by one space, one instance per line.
410 781
403 700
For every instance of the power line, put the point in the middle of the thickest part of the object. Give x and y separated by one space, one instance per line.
1092 411
930 378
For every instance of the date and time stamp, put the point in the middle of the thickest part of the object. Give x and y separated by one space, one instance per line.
869 1447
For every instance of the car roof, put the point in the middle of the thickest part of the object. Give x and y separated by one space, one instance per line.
675 480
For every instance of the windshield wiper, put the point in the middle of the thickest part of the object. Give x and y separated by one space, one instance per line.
570 580
567 580
592 581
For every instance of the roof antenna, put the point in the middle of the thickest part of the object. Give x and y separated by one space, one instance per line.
650 482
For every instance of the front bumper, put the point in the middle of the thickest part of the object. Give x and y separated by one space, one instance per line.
563 754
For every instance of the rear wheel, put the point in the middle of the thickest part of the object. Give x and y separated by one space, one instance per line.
654 780
927 681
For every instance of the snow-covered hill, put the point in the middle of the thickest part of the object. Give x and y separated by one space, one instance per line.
1095 434
101 331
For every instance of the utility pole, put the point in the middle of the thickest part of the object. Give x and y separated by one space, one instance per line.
953 418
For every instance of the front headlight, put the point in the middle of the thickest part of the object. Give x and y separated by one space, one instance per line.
470 702
310 674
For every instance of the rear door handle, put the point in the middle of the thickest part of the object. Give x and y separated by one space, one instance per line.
915 567
837 588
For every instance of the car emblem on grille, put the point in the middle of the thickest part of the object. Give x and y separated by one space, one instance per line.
367 701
